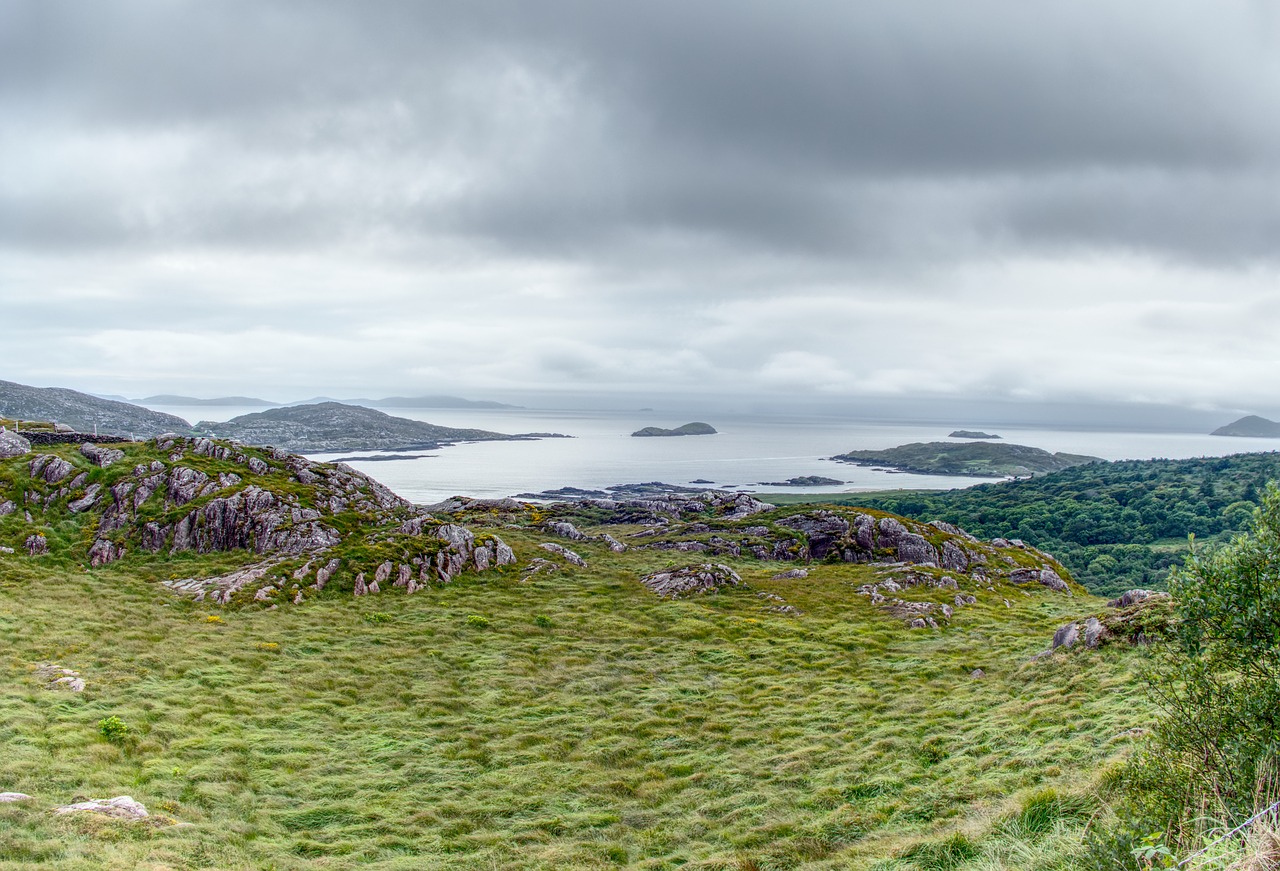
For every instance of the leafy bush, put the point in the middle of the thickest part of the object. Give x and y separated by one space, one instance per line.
542 621
113 729
1214 752
477 621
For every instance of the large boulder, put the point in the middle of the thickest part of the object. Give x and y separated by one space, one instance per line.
12 444
99 455
122 807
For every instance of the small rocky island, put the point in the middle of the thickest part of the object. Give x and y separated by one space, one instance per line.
695 428
972 434
975 459
1250 426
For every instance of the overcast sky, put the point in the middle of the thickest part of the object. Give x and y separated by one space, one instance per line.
1074 201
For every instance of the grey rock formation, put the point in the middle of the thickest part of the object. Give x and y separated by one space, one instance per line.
1130 597
12 444
7 797
36 544
100 456
1093 632
49 468
691 579
564 529
7 507
1066 636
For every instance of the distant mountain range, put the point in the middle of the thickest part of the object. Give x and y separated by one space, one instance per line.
1250 426
236 401
176 401
83 412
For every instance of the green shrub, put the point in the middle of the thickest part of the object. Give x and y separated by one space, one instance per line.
477 621
113 729
542 621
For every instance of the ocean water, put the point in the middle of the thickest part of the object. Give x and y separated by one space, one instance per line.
748 450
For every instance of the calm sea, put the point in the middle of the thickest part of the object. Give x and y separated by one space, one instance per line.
747 451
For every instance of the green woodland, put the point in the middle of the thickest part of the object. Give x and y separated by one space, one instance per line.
1116 525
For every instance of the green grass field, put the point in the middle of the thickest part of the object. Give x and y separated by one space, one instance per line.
582 723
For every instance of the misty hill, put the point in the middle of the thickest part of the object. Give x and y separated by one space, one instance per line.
1250 426
978 459
333 426
84 412
695 428
972 434
234 401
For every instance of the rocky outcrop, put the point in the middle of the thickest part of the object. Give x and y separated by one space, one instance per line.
1139 617
12 444
690 580
55 677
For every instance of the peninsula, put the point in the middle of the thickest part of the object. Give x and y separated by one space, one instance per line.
1250 426
975 459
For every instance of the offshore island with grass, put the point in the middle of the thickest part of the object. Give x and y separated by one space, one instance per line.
229 656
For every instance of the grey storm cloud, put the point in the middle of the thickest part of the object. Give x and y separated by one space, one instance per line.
613 187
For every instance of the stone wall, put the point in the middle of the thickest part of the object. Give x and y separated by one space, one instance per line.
44 437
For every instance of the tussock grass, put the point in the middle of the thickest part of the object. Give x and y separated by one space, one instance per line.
573 720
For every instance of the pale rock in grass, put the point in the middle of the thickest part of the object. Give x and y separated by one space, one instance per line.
326 572
12 444
791 575
7 507
104 551
964 599
977 674
403 576
6 549
564 529
264 594
361 587
36 544
383 572
8 797
503 554
121 807
564 553
614 545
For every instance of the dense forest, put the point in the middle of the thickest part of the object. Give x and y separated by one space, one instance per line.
1114 525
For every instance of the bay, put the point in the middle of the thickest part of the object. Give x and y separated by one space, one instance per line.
748 449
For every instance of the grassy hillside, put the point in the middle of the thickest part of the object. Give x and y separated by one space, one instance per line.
563 719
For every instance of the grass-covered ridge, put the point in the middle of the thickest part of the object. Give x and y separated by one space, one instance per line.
563 719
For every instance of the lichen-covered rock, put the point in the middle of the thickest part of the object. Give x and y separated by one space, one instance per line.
12 445
49 468
614 545
691 579
1094 632
791 574
87 501
100 456
36 544
8 797
1129 597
